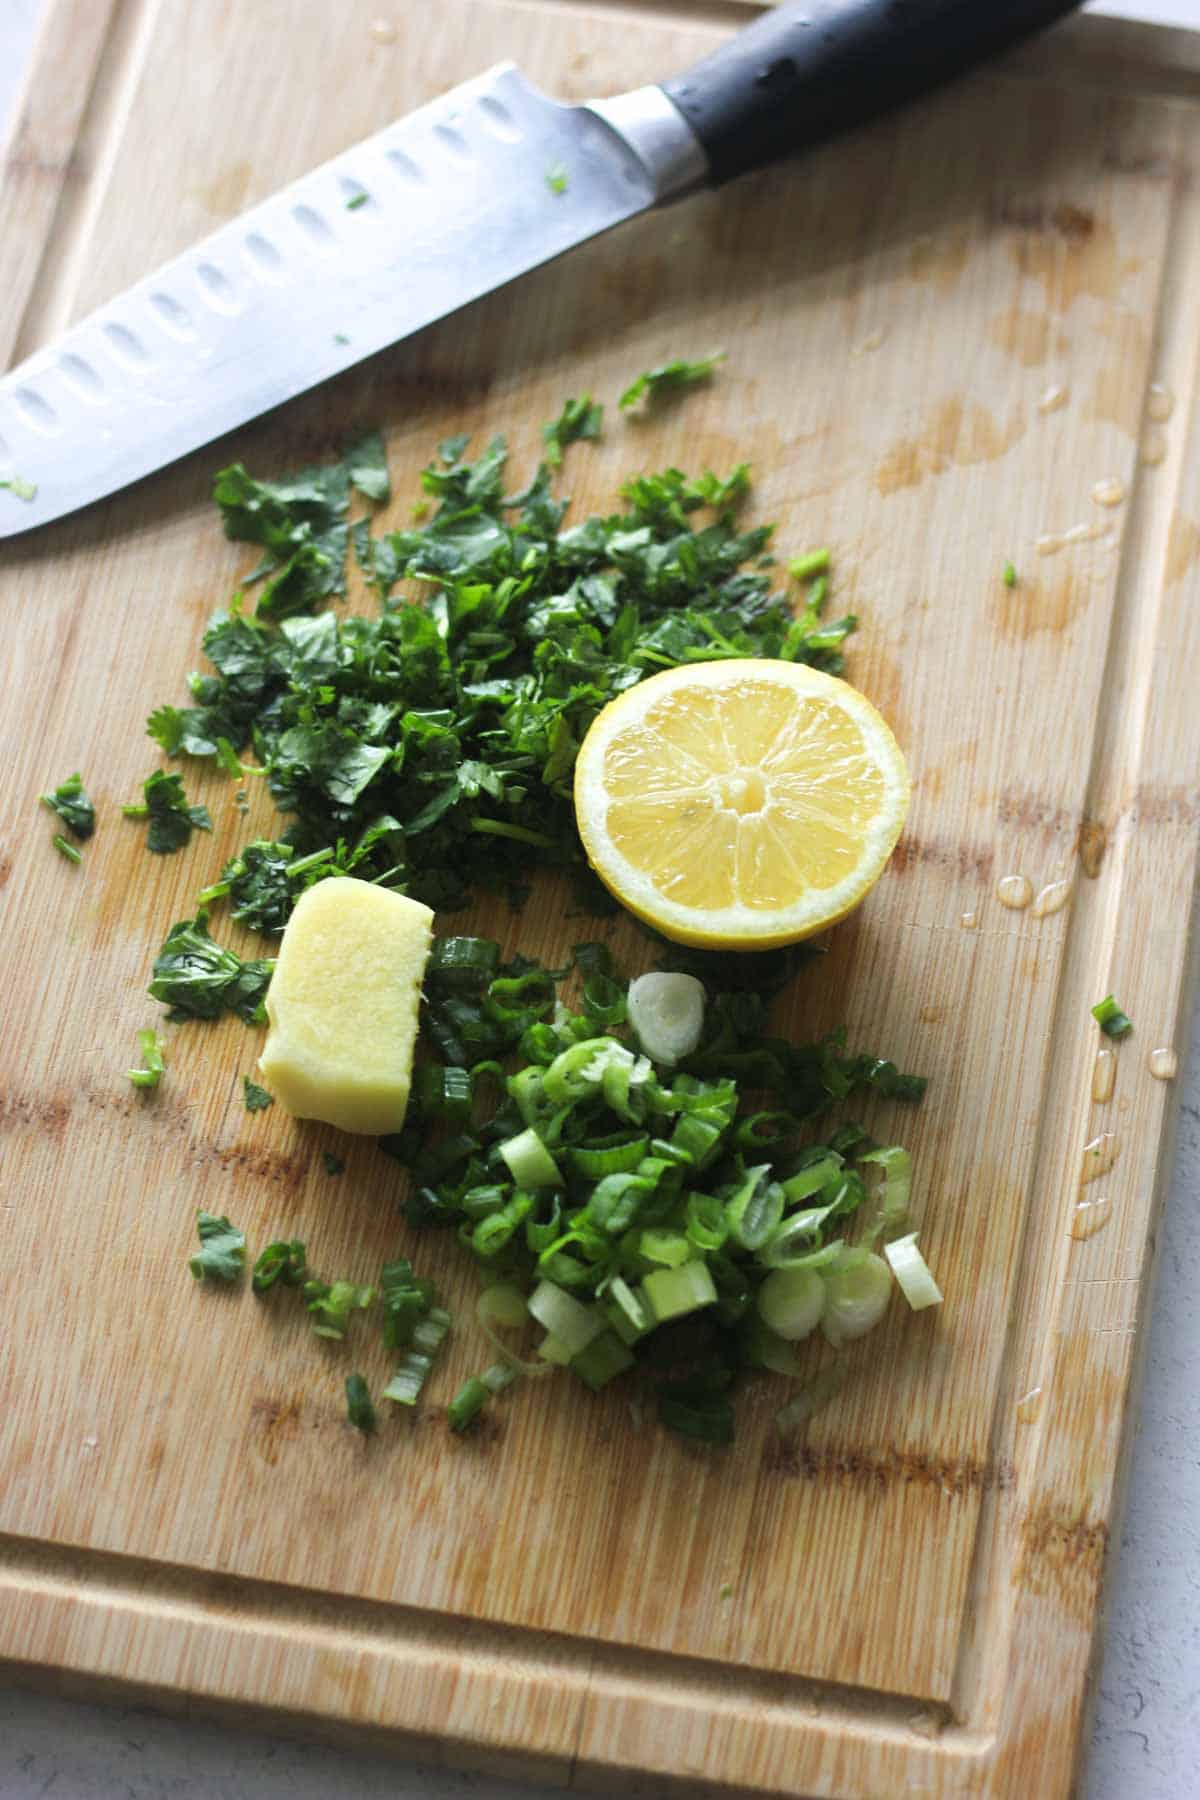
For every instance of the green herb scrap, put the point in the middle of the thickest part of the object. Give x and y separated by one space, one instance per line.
359 1411
357 200
282 1261
198 979
71 803
66 849
334 1165
579 419
222 1249
557 178
150 1050
1112 1021
19 488
172 820
257 1098
669 378
1010 575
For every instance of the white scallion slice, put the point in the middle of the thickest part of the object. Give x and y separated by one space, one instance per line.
503 1305
568 1321
913 1273
857 1290
498 1377
791 1301
667 1013
530 1163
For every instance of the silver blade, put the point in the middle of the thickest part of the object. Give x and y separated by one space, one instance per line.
455 202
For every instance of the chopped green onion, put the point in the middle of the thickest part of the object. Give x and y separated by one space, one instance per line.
668 1248
565 1318
431 1331
627 1313
359 1410
65 849
499 1376
151 1051
283 1261
1111 1020
857 1290
554 1351
667 1013
222 1249
807 568
530 1163
467 1404
331 1303
791 1301
1010 575
611 1159
602 1360
912 1273
411 1376
894 1191
811 1178
671 1293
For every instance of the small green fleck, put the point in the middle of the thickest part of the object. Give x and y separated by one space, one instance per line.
333 1164
257 1098
19 488
72 805
65 849
726 1591
420 510
557 178
355 201
151 1052
1112 1021
807 568
339 337
1010 574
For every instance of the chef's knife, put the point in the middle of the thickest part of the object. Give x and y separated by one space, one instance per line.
450 203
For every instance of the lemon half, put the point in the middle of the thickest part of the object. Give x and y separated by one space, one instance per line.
741 804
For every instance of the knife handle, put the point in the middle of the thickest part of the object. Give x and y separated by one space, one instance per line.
802 73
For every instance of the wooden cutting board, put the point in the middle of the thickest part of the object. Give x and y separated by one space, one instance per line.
951 339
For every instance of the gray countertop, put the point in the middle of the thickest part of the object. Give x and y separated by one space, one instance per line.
1147 1714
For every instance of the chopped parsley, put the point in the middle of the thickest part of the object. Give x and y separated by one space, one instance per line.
70 801
66 849
198 979
1112 1021
334 1165
151 1052
579 419
359 1410
222 1249
172 820
19 488
257 1098
557 178
669 378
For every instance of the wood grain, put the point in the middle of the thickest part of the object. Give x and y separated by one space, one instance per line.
915 1587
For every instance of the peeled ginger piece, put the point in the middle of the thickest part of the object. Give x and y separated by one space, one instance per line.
343 1005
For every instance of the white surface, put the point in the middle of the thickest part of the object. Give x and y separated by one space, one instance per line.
1146 1743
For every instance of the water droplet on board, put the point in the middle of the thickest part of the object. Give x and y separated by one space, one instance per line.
1014 891
1104 1075
1109 491
1164 1064
1029 1406
969 921
869 343
1053 398
1154 448
1052 541
1051 899
1089 1217
383 31
1160 401
1099 1157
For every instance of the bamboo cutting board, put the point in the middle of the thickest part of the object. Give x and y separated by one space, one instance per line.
943 334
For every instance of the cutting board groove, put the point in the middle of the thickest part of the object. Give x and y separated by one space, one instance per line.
571 1594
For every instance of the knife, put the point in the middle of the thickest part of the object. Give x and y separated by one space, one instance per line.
459 198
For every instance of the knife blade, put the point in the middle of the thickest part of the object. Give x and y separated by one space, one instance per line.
456 200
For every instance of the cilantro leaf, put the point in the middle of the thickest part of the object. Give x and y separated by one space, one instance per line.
366 464
199 979
222 1249
257 1098
172 820
72 805
670 377
150 1050
579 419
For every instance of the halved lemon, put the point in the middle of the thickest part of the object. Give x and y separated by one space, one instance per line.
742 804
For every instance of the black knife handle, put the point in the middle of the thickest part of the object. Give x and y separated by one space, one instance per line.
806 72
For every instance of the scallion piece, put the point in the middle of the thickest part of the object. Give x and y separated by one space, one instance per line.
672 1293
359 1410
430 1332
467 1404
858 1288
151 1052
807 568
912 1273
894 1190
667 1013
1112 1021
602 1361
499 1376
66 849
529 1162
791 1302
411 1376
565 1318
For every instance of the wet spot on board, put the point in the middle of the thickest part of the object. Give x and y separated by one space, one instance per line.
227 193
939 260
956 433
1092 844
274 1423
1023 335
1183 547
1034 607
1065 247
5 869
964 860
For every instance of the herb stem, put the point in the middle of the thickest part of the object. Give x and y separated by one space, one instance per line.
521 834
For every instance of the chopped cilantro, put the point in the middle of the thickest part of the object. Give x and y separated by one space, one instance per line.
1010 575
355 201
198 979
151 1052
334 1165
557 178
359 1410
222 1249
579 419
72 805
19 488
172 820
669 377
366 465
1111 1020
257 1098
65 849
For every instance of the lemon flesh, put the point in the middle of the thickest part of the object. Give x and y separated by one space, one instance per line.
740 804
343 1005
